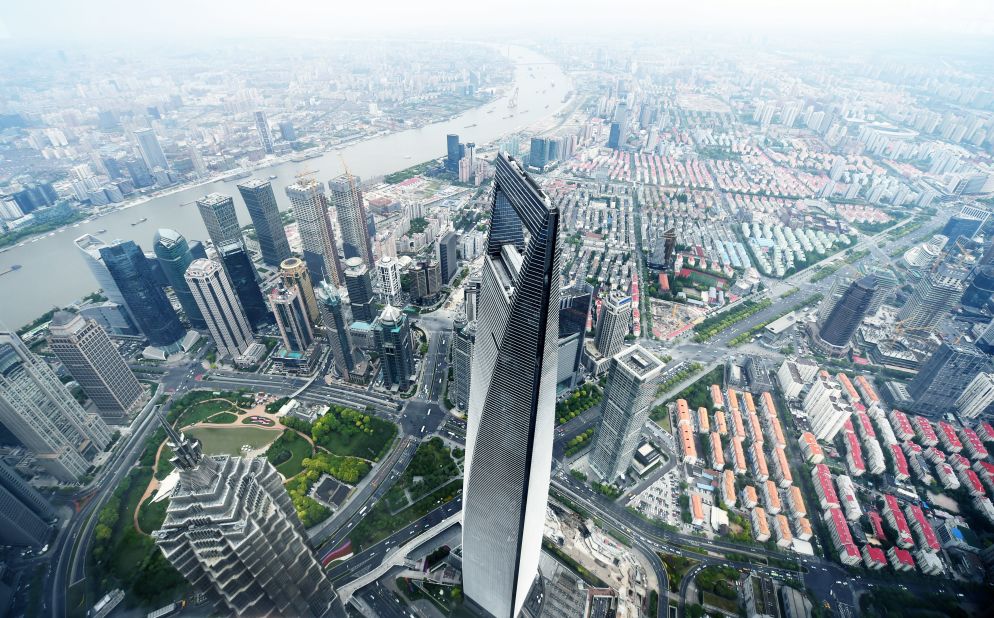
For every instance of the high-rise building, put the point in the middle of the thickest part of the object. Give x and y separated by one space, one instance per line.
452 152
392 335
944 377
261 205
574 307
291 318
25 516
614 323
538 154
826 407
985 343
463 340
245 282
981 288
840 325
91 359
360 287
174 257
218 213
512 403
317 237
346 197
287 131
447 257
226 320
90 247
625 407
978 397
151 151
265 135
44 416
294 273
471 296
427 280
336 328
389 279
231 530
887 284
932 298
146 302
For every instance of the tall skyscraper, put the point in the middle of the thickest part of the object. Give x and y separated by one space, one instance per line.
574 307
218 213
38 409
174 257
389 279
944 377
294 273
147 303
932 298
90 247
265 135
840 325
346 197
317 237
245 282
887 283
452 154
151 151
447 257
336 328
614 323
261 204
360 287
392 335
291 318
977 398
91 359
981 289
625 407
463 340
25 516
512 403
226 320
231 530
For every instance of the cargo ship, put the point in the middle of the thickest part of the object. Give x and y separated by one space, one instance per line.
12 268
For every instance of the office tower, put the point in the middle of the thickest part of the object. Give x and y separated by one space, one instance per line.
427 280
147 303
448 260
317 237
226 320
981 288
261 205
965 224
944 377
389 279
287 131
840 325
452 154
232 532
336 328
38 409
218 213
245 282
625 407
985 342
669 249
174 257
346 197
614 323
291 318
138 173
471 296
932 298
977 398
463 340
360 288
91 359
265 136
887 284
538 154
90 247
574 307
151 151
392 335
25 516
294 273
512 403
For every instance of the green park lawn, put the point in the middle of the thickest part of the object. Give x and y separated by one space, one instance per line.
287 453
229 440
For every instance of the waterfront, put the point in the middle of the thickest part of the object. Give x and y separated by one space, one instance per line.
55 274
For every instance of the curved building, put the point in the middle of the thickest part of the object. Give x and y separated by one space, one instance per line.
174 256
293 272
840 325
981 289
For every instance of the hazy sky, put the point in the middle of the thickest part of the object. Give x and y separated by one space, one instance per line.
62 21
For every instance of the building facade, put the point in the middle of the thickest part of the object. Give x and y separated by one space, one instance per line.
244 281
310 207
841 323
360 287
291 318
463 340
932 298
944 377
260 201
25 516
614 323
346 197
218 213
392 334
335 321
226 320
174 257
294 273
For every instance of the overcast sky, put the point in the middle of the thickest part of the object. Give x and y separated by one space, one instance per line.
58 22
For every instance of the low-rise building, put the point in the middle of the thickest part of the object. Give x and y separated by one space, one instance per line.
781 528
697 510
781 468
901 470
802 529
717 401
854 455
720 423
969 479
771 498
795 502
821 477
874 558
985 472
758 460
901 425
717 455
946 476
986 431
728 488
922 527
760 525
873 457
749 497
794 375
924 430
948 438
847 497
974 446
688 449
703 423
842 539
900 559
895 518
929 563
810 449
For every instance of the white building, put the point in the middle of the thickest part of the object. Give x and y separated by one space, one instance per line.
826 407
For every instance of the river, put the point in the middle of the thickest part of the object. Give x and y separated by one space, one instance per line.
52 270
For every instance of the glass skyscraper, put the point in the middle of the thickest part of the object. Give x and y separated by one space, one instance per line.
261 204
218 213
513 391
174 257
346 197
242 274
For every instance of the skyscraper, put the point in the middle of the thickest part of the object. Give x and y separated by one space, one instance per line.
463 340
346 197
146 301
360 287
887 283
614 323
25 516
932 298
336 328
218 213
151 151
317 237
944 376
392 334
978 294
389 279
232 532
226 320
38 409
174 257
90 246
452 154
245 282
625 407
294 273
291 318
261 204
978 397
447 257
574 307
91 359
847 315
512 403
265 135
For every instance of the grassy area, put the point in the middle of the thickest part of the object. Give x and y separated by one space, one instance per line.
579 443
678 377
717 585
229 440
287 453
662 417
198 406
698 394
379 523
676 568
223 418
344 431
714 325
152 514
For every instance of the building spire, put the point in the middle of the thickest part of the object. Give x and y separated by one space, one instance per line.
188 456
